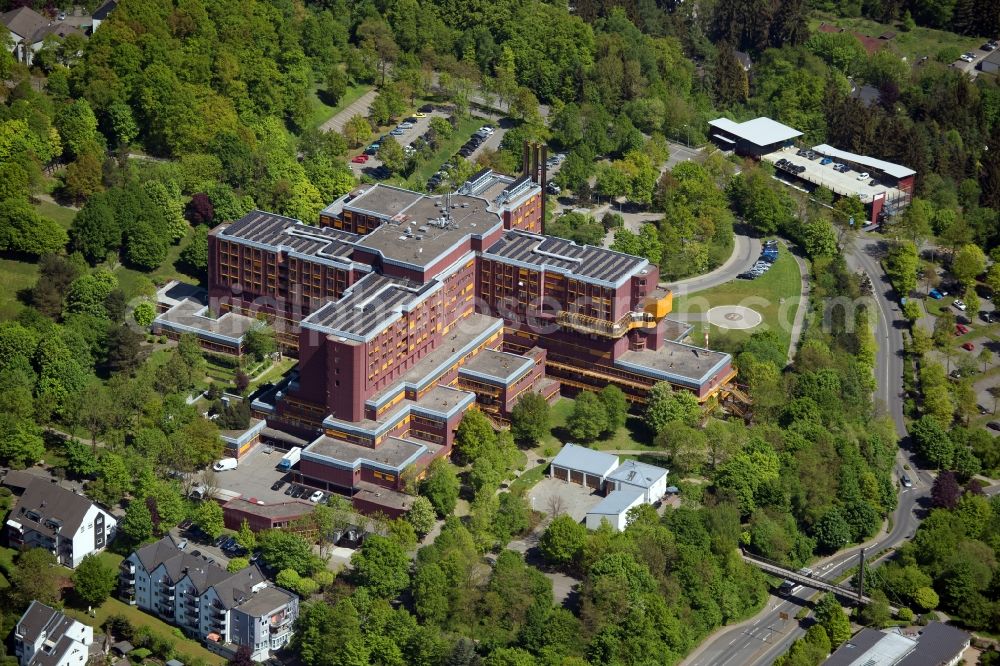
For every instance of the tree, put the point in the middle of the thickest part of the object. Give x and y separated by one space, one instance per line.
123 349
562 541
242 657
901 267
925 599
666 405
945 492
832 618
287 550
94 230
93 581
123 124
831 531
475 434
529 420
246 537
421 515
83 177
382 567
208 517
589 418
357 130
145 247
441 486
967 263
391 154
932 441
24 231
261 341
77 127
336 84
200 209
138 523
615 405
35 577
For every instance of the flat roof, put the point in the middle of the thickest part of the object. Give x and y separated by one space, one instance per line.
675 362
376 494
844 184
617 502
277 232
393 453
290 509
501 366
192 316
573 456
638 473
760 131
583 262
421 229
368 306
871 647
464 336
894 170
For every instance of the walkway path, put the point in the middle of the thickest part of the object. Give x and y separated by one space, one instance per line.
800 313
360 106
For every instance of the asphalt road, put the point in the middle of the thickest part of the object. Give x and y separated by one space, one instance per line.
764 637
746 251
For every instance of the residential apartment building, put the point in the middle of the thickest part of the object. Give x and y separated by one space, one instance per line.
62 522
406 310
223 610
45 637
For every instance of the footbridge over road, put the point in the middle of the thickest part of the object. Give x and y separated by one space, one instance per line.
815 582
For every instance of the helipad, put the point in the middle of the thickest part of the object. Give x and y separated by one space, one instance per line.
733 316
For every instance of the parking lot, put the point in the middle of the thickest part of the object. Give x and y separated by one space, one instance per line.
420 125
553 496
256 472
970 64
845 184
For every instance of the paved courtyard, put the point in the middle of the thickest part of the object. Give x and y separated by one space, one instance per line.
256 472
553 496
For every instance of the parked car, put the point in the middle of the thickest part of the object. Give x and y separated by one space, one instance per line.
905 480
968 57
825 161
182 544
988 46
360 159
961 329
983 410
277 485
290 489
552 188
225 464
959 305
220 540
993 425
298 491
316 496
863 175
426 108
419 114
195 553
968 346
372 149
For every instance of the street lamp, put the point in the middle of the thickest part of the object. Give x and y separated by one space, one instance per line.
687 136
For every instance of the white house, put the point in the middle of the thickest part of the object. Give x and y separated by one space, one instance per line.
101 14
652 480
224 610
68 525
587 467
615 507
45 637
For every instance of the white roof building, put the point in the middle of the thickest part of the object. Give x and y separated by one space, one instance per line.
758 132
578 464
615 507
652 480
894 170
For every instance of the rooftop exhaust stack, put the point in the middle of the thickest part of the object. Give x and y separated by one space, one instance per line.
534 158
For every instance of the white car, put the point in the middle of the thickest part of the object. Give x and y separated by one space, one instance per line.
959 304
863 176
316 496
486 129
968 57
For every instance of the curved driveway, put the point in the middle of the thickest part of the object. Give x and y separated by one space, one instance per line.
763 637
746 250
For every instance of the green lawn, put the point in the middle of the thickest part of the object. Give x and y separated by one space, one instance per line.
774 295
184 647
321 111
61 214
15 276
914 45
274 372
632 436
466 128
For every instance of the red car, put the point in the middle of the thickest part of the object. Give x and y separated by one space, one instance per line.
968 346
961 329
360 159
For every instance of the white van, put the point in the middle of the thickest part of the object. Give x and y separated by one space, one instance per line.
225 464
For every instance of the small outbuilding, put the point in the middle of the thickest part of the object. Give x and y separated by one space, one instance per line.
615 507
587 467
753 138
